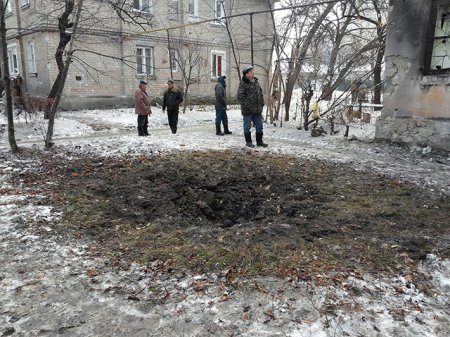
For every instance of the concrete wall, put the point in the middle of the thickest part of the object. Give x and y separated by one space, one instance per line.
416 106
94 79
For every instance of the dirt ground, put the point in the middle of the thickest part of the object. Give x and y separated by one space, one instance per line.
244 213
344 226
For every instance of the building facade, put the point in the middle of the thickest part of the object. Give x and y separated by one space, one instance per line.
119 43
417 89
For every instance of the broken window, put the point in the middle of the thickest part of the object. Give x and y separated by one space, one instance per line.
144 6
439 43
8 9
173 55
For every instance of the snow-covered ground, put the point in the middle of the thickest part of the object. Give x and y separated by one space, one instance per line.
52 285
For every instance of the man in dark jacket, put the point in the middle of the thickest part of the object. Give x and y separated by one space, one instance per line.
221 107
251 98
173 97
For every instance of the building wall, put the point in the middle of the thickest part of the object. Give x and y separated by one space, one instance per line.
95 80
416 106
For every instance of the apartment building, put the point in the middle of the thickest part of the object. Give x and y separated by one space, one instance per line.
120 42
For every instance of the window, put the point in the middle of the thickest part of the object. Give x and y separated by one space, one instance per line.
193 7
218 65
172 10
145 61
24 3
31 58
218 9
143 5
438 49
13 61
174 60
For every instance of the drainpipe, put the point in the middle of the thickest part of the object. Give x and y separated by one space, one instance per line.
122 65
251 39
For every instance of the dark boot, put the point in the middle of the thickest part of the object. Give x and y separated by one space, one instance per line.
248 140
140 131
218 131
225 129
259 140
145 130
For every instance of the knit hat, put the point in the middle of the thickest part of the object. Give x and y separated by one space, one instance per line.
170 81
222 79
246 70
142 82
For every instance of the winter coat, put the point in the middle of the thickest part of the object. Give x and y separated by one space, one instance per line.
250 96
221 95
172 99
142 103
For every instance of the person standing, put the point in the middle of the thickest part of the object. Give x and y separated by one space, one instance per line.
142 108
173 97
221 107
250 96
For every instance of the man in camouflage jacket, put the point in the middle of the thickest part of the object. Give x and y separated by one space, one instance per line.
251 98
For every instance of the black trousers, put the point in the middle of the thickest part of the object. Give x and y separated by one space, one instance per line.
173 120
142 121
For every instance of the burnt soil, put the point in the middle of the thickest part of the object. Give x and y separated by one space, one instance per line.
253 213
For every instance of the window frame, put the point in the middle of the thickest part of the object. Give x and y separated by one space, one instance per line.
174 54
171 15
12 51
195 9
429 46
218 19
214 69
144 60
31 58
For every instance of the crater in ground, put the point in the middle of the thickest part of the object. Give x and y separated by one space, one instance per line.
253 213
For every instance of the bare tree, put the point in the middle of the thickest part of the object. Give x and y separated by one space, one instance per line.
62 72
302 48
65 37
233 46
379 8
189 60
6 78
328 43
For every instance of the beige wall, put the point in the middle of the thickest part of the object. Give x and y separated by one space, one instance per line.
103 76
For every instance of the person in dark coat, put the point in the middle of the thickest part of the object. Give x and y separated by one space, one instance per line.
173 97
250 96
142 108
221 107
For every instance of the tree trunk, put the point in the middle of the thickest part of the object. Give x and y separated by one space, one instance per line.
377 71
64 39
185 96
62 82
5 72
227 26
